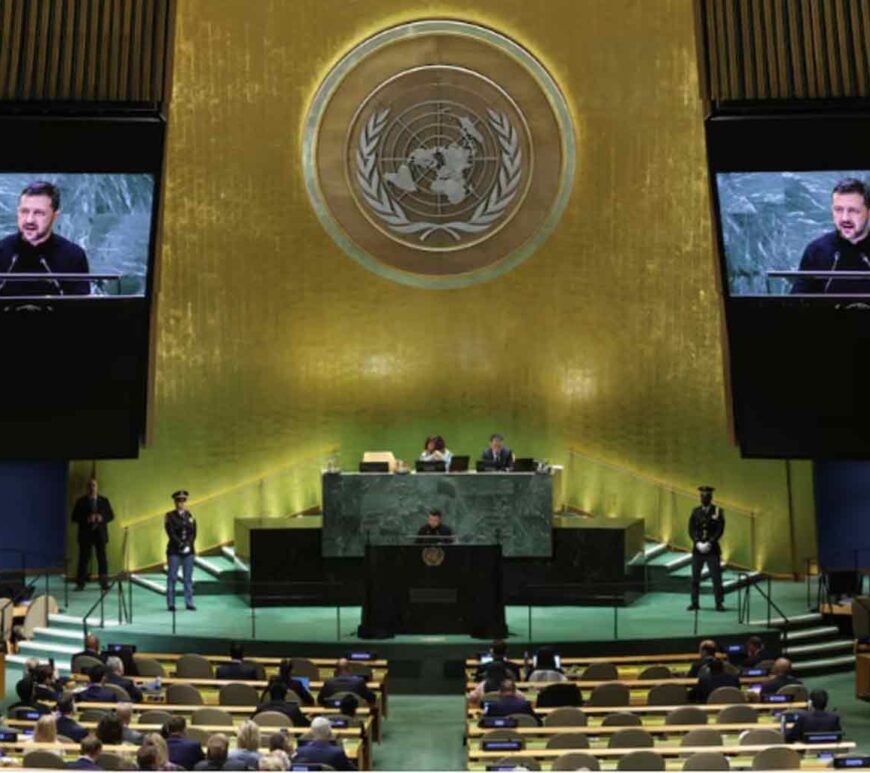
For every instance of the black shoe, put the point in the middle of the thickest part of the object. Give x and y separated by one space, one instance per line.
191 608
720 607
170 609
692 608
79 586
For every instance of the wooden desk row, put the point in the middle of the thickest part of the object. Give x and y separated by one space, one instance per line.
710 708
630 683
666 659
543 733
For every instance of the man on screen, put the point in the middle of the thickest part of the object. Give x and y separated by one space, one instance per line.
36 249
846 248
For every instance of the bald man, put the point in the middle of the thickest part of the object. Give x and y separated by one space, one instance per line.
345 681
781 677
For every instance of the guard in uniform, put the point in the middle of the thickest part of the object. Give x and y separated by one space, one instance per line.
181 530
706 526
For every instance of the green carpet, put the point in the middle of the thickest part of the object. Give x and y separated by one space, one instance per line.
424 732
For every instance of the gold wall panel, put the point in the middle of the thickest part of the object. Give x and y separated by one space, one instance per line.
274 347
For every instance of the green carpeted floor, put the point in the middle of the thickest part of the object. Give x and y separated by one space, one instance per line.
424 732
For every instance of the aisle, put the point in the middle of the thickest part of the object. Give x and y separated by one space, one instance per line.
424 732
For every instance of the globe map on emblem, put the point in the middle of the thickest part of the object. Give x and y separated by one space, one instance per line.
438 154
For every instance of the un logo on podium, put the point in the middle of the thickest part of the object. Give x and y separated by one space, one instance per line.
438 153
432 556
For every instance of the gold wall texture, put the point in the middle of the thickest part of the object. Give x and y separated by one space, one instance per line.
274 348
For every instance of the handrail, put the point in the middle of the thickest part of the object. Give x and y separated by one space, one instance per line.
117 580
743 607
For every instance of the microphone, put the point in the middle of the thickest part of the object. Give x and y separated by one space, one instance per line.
48 271
9 271
833 268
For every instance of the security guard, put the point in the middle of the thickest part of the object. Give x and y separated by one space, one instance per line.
180 550
706 526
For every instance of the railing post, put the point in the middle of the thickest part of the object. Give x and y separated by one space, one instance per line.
102 610
65 583
615 621
695 623
768 601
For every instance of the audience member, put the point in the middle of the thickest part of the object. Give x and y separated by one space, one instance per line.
236 670
815 720
348 705
90 749
110 730
321 748
45 731
25 688
277 693
247 745
500 662
92 649
115 675
706 654
345 681
216 751
781 676
159 743
712 677
147 758
285 674
66 725
281 746
510 702
272 762
95 692
47 686
125 715
544 668
182 751
756 652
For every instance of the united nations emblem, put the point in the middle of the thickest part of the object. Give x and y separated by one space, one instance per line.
438 153
433 556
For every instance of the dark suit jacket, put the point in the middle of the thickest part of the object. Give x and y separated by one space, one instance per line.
96 694
71 729
88 534
753 660
511 704
288 708
706 685
707 525
56 255
698 665
812 722
771 686
346 683
83 763
181 531
236 671
502 461
325 753
127 684
496 668
184 752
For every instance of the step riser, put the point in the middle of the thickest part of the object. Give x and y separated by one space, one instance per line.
818 649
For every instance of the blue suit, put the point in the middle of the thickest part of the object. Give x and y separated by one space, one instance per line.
71 729
812 722
184 752
93 693
511 704
83 763
324 753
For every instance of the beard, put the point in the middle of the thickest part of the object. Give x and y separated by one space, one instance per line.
35 235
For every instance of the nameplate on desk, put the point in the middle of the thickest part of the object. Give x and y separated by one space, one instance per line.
823 736
9 737
361 655
497 722
337 721
754 672
502 767
734 649
502 745
777 698
433 595
852 761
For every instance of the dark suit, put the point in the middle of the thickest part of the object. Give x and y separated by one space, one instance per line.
812 722
83 763
324 753
511 704
696 667
773 685
752 661
497 668
94 536
707 524
288 708
237 671
346 683
94 693
440 535
71 729
301 690
501 461
706 684
126 684
184 752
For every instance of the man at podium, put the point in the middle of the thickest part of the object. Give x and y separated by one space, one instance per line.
434 531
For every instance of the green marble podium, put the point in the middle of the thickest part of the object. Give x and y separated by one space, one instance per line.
511 509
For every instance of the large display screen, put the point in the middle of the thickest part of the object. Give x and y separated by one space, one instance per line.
95 226
795 233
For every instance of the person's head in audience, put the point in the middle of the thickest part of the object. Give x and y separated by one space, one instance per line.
30 665
66 706
272 762
92 643
433 519
110 729
285 670
43 675
115 665
25 687
781 667
499 650
754 645
716 667
159 743
248 736
174 726
507 688
707 649
342 667
124 712
91 746
46 729
321 730
348 705
819 700
237 651
277 691
280 742
217 748
97 674
545 659
147 757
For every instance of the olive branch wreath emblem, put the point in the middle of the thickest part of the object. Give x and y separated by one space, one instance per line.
489 210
